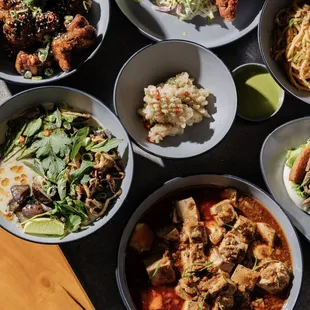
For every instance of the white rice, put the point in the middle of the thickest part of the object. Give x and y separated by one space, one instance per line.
171 106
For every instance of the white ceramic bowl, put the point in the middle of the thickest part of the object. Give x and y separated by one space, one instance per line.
266 41
82 102
99 17
272 161
223 181
156 63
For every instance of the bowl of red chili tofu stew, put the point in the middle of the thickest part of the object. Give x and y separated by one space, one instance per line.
209 242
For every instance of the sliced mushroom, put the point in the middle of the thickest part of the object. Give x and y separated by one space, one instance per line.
13 205
32 209
20 192
40 195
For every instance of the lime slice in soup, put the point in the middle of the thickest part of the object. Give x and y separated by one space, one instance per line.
44 226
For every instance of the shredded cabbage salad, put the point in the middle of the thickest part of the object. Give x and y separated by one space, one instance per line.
187 9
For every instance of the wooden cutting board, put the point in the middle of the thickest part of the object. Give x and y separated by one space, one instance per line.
35 276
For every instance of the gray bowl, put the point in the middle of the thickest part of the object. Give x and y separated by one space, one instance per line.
82 102
218 180
162 26
99 17
266 40
272 161
156 63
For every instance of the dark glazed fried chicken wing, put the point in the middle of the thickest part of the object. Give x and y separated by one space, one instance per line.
227 8
80 35
18 28
30 62
46 23
8 4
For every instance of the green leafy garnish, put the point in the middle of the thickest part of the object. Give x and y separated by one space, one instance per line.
85 179
299 190
292 154
58 143
62 185
291 22
85 168
156 270
73 222
33 127
77 141
106 145
36 167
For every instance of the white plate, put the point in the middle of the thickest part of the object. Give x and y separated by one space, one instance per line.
162 26
272 161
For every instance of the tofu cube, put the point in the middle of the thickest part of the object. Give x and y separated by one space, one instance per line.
218 284
194 233
245 227
186 210
233 247
142 238
215 232
219 262
161 272
245 277
267 233
223 212
262 251
193 258
192 305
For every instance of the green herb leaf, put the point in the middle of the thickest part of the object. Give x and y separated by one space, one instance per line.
62 185
299 190
58 143
85 179
85 168
77 140
68 118
291 22
36 167
106 145
81 208
73 222
57 118
53 165
30 151
33 127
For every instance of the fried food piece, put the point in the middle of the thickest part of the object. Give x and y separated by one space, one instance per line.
19 30
30 62
227 9
77 38
298 170
8 4
46 23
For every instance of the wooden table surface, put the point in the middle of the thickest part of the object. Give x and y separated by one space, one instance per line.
35 276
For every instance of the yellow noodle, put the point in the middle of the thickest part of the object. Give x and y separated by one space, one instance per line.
292 45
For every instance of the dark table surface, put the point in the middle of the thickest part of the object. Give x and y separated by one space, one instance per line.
94 258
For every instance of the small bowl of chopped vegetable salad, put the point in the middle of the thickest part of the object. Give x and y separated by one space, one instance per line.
66 165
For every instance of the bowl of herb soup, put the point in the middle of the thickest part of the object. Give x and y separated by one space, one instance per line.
64 170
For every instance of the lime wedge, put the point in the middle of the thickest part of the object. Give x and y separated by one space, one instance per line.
44 226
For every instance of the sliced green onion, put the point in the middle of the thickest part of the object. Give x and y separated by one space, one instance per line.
13 13
37 78
68 19
48 72
85 5
28 75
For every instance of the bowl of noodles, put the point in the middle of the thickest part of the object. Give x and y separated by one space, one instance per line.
284 40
